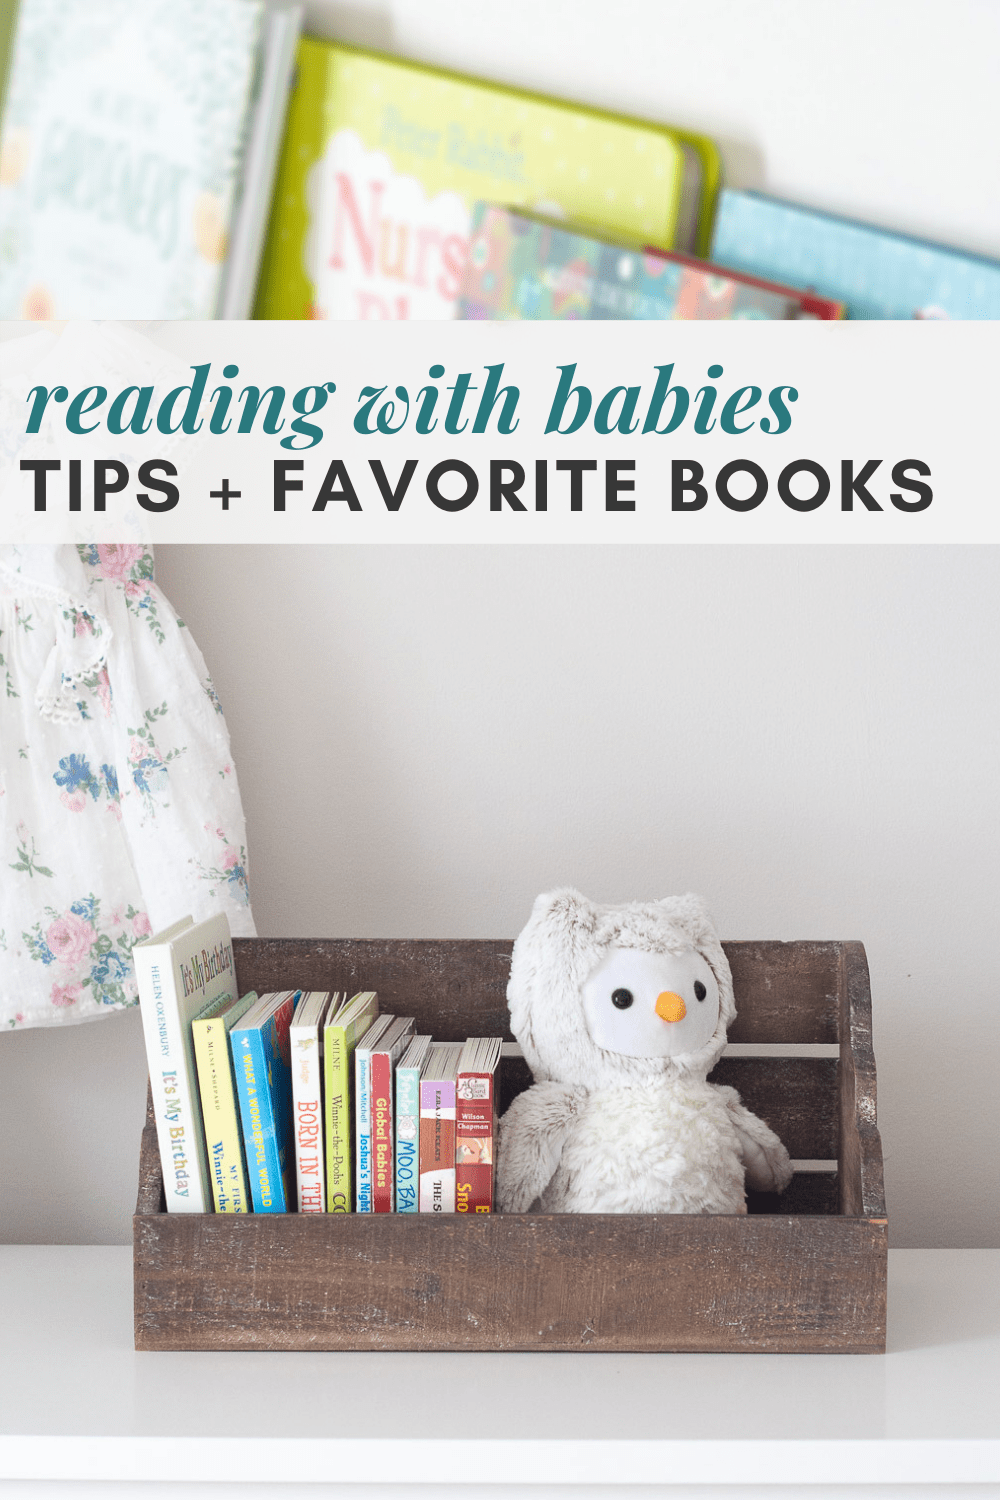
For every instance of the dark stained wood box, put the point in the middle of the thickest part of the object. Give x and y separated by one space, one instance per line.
805 1272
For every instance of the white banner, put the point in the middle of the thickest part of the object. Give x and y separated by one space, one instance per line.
500 432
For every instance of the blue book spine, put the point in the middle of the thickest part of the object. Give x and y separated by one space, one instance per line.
363 1131
407 1139
264 1091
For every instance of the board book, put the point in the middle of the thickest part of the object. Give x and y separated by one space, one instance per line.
437 1129
262 1064
227 1167
123 136
475 1124
408 1123
384 160
347 1020
877 273
363 1113
304 1041
385 1055
181 972
523 267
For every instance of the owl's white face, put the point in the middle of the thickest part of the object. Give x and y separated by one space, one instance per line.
651 1004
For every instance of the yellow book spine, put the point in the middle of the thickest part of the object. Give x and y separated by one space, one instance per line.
338 1112
223 1140
339 1196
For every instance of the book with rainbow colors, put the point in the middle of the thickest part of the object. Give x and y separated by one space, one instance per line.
521 267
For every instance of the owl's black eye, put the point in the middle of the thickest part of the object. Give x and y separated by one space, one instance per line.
622 999
699 990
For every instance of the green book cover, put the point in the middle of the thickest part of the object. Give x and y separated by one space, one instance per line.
340 1035
384 160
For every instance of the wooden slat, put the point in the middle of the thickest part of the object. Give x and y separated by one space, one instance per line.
741 1049
797 1097
785 992
807 1193
616 1282
454 989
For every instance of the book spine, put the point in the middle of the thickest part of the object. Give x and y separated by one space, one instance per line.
383 1181
336 1079
260 1134
176 1108
407 1137
474 1144
437 1148
307 1116
363 1131
223 1140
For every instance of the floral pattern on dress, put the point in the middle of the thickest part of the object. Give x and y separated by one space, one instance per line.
27 859
148 766
131 565
8 680
77 944
230 874
102 711
77 780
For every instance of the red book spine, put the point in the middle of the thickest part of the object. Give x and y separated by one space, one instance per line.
474 1134
383 1174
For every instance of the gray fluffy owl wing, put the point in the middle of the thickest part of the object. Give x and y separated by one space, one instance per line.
533 1132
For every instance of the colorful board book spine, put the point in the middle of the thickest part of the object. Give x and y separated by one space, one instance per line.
262 1064
437 1130
227 1167
181 972
384 159
525 268
385 1056
307 1101
475 1124
363 1113
344 1026
408 1124
875 272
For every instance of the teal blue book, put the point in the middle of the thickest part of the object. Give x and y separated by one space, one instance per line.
408 1071
262 1063
877 273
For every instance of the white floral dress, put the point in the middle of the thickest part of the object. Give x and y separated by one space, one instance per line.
119 807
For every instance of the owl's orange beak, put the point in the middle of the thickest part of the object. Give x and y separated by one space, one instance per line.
670 1007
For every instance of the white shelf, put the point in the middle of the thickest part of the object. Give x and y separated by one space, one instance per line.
78 1404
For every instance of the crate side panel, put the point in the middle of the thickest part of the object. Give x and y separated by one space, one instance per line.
519 1282
862 1180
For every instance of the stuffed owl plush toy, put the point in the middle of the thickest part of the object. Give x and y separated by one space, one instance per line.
621 1012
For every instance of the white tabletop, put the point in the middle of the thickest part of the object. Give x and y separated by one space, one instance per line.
77 1402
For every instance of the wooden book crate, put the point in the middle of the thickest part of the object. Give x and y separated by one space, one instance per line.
802 1273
